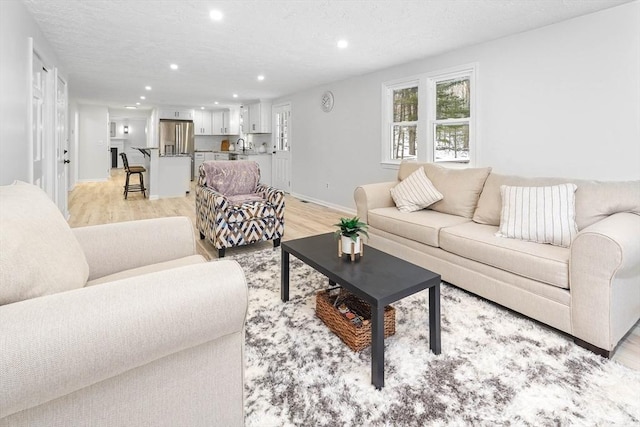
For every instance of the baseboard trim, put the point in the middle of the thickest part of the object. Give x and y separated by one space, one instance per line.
349 211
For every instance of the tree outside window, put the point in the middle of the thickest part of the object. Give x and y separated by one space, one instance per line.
453 116
404 126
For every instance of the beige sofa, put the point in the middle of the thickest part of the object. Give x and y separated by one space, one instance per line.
590 290
114 325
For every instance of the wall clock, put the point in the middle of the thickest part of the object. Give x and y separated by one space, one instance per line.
326 102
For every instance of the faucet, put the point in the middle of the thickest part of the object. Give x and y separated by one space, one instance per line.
238 143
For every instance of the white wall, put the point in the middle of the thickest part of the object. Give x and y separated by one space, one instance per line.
563 100
16 26
94 156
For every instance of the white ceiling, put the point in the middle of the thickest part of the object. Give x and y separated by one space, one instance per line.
112 49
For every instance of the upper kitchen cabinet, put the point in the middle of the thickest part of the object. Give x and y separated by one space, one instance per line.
203 122
226 122
257 118
175 114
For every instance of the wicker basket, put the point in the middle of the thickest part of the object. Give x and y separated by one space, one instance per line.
356 337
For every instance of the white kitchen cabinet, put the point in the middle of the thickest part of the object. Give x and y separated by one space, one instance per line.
226 122
175 114
257 118
203 122
220 156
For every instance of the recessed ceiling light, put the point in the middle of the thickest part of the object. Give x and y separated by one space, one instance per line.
216 103
202 108
235 95
174 66
137 103
147 87
130 107
143 97
261 77
342 44
216 15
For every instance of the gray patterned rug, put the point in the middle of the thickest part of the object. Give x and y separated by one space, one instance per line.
496 368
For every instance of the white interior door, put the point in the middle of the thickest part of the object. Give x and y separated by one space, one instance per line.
282 147
38 122
61 145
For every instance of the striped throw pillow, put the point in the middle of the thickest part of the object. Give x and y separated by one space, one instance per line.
539 214
415 192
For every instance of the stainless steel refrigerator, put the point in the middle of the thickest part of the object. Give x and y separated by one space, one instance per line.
176 139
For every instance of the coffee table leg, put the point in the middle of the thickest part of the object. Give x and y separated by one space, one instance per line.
377 347
434 318
284 276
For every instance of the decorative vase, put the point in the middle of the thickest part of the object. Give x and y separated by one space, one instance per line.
346 245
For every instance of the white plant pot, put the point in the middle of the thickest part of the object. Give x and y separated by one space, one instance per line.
347 247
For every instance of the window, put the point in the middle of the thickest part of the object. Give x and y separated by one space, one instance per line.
430 118
451 120
401 126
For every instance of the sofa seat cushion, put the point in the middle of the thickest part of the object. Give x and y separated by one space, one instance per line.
39 255
422 226
258 210
152 268
545 263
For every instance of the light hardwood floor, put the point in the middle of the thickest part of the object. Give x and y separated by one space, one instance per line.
102 202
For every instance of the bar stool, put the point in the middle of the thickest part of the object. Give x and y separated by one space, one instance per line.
130 170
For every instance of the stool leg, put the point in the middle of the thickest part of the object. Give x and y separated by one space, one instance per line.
144 190
126 186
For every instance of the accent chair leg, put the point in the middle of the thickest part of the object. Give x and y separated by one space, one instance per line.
276 242
221 253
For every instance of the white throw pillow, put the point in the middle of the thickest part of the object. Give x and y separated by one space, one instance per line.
539 214
415 192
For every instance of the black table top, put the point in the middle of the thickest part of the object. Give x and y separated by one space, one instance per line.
381 278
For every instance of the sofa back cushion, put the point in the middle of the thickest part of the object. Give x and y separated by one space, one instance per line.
232 177
460 188
39 254
595 200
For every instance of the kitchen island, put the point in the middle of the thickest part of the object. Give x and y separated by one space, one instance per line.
166 176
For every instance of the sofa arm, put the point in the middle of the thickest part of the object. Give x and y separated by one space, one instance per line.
604 268
373 196
57 344
111 248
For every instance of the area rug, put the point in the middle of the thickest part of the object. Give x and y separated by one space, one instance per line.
496 367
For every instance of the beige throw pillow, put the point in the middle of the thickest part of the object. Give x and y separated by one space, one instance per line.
415 192
460 188
539 214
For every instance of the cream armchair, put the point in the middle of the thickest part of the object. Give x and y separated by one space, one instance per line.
113 325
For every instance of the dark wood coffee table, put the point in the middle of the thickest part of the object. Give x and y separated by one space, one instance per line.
376 277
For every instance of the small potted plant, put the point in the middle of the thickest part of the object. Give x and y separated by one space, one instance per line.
348 232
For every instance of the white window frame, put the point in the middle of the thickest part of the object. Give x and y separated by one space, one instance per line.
464 71
387 118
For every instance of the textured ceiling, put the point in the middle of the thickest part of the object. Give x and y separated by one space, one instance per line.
112 49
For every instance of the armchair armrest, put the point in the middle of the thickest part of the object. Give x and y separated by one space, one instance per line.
274 196
111 248
604 268
57 344
371 196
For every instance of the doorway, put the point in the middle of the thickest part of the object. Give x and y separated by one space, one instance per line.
282 147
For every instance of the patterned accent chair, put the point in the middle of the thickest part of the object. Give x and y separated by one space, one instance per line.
234 209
